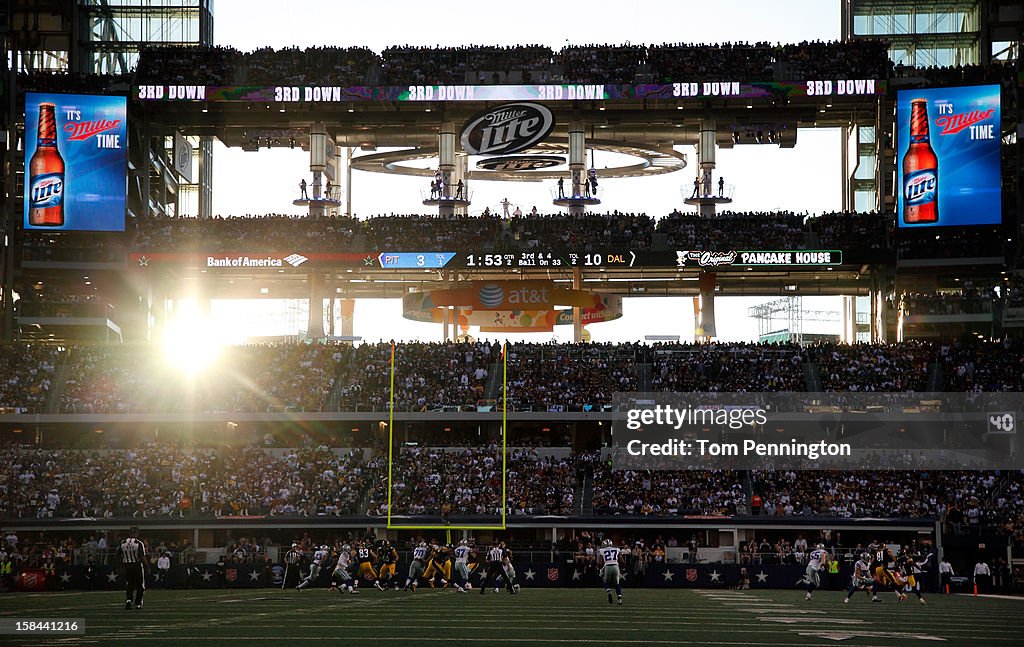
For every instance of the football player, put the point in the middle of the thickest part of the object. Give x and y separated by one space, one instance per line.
440 563
509 570
861 576
883 563
365 556
314 569
608 563
907 563
386 568
340 577
463 553
816 563
416 566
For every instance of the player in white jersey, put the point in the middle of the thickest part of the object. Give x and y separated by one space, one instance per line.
608 563
861 576
314 569
462 555
340 577
817 562
417 566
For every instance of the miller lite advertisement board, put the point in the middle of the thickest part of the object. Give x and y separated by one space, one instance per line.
948 163
76 161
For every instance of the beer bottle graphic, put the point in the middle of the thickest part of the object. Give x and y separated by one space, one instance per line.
920 170
46 174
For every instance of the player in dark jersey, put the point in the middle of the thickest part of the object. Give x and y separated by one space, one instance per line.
906 562
883 565
365 557
440 564
388 560
132 554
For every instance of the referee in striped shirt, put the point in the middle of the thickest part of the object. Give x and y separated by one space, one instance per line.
133 563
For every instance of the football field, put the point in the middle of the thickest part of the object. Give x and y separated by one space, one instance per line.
536 616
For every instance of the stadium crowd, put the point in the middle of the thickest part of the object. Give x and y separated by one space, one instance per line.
432 376
26 376
492 64
660 493
161 479
422 232
270 377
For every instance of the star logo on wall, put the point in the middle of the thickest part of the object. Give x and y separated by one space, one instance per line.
207 576
667 575
715 576
762 577
254 576
529 574
111 577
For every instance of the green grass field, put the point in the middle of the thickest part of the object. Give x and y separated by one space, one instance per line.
535 616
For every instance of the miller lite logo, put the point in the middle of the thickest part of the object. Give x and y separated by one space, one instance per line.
920 187
520 162
46 190
508 128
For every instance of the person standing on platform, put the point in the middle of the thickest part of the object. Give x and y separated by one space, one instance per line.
302 189
504 206
721 187
433 189
327 195
561 188
696 187
459 190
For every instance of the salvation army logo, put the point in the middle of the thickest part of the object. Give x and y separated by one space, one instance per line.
231 574
508 128
30 580
691 575
553 574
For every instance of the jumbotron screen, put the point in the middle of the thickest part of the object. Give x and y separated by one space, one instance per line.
948 166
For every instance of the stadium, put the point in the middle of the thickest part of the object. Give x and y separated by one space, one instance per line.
309 335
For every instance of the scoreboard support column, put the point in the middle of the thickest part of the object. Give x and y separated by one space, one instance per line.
446 164
577 312
577 163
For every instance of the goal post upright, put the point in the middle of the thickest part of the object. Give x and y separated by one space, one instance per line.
504 454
